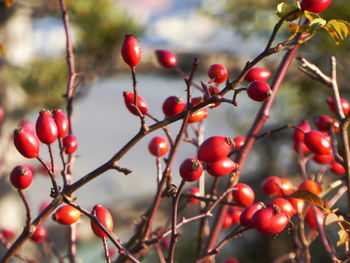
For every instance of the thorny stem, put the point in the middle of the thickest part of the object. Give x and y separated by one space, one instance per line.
174 234
71 90
105 247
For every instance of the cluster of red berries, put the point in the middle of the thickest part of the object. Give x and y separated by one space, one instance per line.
49 127
318 142
257 88
274 217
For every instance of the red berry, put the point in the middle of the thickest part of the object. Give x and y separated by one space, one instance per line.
39 235
158 146
62 123
227 221
235 212
257 74
217 73
212 92
300 147
298 135
248 213
259 90
70 144
317 142
243 195
323 158
297 203
46 128
284 205
276 186
231 260
344 104
129 102
337 168
173 105
66 215
199 114
105 218
214 149
310 217
191 169
131 51
315 6
310 186
221 167
194 191
21 177
28 126
7 234
269 221
166 58
239 141
26 143
325 123
1 114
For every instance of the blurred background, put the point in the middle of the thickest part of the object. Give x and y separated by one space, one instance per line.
33 75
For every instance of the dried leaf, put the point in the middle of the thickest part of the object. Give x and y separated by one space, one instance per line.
343 237
295 28
338 29
287 11
331 218
2 49
9 3
308 197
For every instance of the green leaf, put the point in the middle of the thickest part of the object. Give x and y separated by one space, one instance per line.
311 16
286 11
316 24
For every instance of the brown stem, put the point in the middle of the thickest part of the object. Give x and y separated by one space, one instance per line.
174 234
105 247
28 212
52 176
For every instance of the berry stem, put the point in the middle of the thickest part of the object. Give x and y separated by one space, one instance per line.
134 85
28 212
52 176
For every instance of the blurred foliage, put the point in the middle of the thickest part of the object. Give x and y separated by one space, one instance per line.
98 29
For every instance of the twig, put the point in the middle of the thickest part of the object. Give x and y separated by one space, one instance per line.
174 234
105 247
